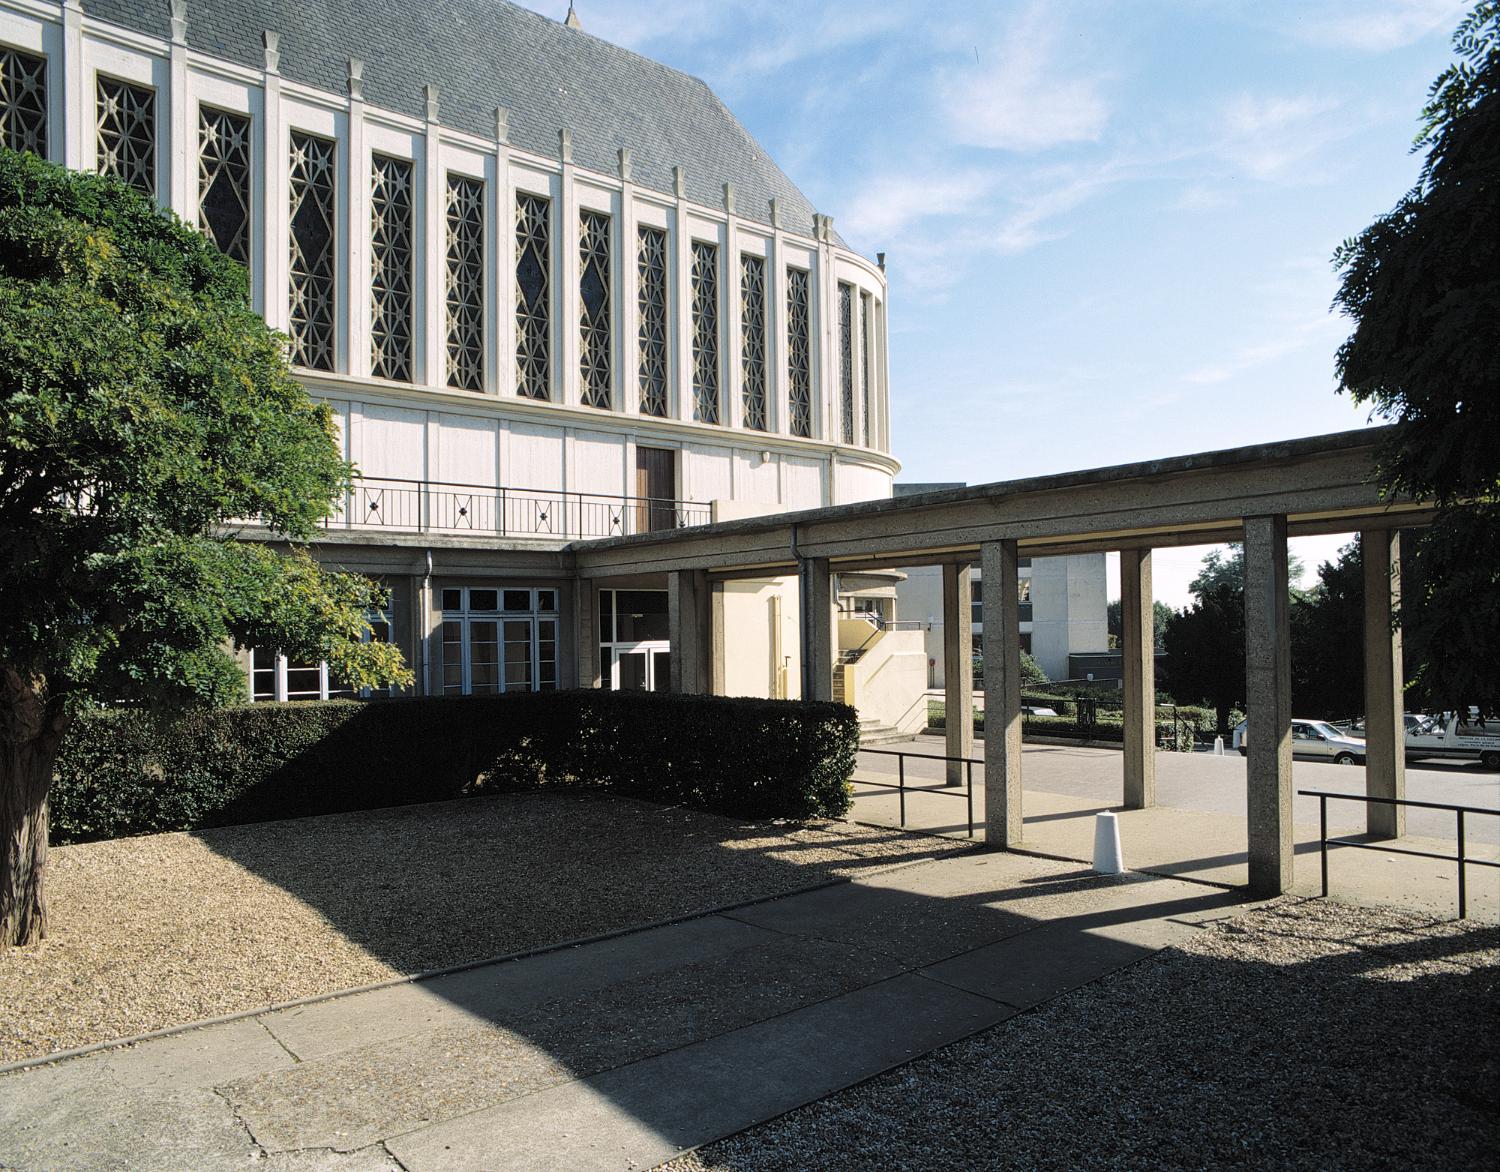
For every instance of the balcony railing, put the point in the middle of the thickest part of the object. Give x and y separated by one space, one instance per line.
423 506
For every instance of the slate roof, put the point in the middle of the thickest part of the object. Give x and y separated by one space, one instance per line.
486 53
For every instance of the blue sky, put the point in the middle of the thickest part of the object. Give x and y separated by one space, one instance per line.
1108 225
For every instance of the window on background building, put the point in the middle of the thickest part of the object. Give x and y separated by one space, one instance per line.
465 292
976 607
705 332
23 101
533 284
276 678
312 187
126 126
651 271
498 640
594 310
391 263
867 343
635 653
753 340
846 362
224 181
798 351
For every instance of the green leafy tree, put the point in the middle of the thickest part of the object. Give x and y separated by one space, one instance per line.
1327 638
1032 675
1221 569
1115 621
1205 646
1422 287
143 408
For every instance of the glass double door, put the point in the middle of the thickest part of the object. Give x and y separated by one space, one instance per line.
640 669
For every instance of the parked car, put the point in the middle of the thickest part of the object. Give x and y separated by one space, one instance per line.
1456 738
1314 738
1033 710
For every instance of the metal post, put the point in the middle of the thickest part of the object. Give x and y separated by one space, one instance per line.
1323 838
901 785
970 796
1463 891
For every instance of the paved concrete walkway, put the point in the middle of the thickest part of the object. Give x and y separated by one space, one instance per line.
615 1054
1197 830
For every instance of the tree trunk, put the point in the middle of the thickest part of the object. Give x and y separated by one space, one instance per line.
31 730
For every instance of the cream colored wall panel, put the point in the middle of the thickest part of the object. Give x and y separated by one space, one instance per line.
392 442
756 481
598 464
468 450
853 482
531 457
708 473
801 483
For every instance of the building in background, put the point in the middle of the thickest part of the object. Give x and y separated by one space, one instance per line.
1063 606
550 288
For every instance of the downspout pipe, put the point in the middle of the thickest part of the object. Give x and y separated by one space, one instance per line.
426 635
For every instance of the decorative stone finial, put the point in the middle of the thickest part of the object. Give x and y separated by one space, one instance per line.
502 124
179 22
775 212
679 181
272 45
571 20
624 162
356 78
565 145
729 197
430 98
880 260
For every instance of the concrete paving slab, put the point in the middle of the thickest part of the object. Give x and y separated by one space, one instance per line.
1037 965
198 1058
486 994
645 1113
353 1098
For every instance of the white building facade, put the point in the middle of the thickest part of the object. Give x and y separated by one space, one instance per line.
550 289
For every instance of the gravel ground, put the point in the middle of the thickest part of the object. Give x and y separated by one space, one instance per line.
157 931
1307 1034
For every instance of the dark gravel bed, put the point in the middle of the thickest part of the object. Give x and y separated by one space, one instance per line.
1305 1034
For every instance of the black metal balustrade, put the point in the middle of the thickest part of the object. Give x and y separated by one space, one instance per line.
423 506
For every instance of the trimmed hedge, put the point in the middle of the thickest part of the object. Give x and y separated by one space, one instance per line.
123 773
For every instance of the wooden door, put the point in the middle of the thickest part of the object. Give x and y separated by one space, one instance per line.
656 486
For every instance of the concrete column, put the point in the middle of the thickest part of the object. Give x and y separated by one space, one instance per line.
586 639
958 669
1002 693
1385 730
716 648
688 625
1138 664
815 597
1268 706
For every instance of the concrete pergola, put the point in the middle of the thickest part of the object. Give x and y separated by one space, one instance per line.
1258 495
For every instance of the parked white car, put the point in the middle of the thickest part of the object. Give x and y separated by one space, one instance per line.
1453 737
1317 739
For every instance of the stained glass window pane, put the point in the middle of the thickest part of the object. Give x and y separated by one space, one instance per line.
798 347
846 362
867 343
593 309
705 332
224 181
533 281
651 271
127 133
391 301
23 101
311 181
753 339
465 300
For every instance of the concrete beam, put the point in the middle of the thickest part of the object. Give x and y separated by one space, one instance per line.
958 666
1138 662
1385 729
815 598
716 647
1268 706
1002 693
688 624
586 643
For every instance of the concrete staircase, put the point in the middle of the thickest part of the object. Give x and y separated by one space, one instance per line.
872 733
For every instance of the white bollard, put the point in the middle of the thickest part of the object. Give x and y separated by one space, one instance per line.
1218 746
1107 857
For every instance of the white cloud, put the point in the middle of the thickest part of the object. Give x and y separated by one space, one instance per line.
887 206
1270 138
1018 95
1375 26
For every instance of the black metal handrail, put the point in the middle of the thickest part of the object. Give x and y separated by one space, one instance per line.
504 511
945 790
1462 857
